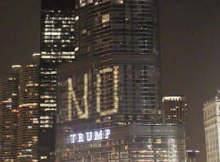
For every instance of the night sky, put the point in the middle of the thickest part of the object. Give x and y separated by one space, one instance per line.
190 46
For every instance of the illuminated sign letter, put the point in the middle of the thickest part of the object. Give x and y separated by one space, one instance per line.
88 136
107 133
72 97
80 137
98 135
73 138
115 73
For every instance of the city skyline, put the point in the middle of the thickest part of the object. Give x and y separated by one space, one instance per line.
178 83
109 97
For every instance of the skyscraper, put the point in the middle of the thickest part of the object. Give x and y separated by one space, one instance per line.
8 115
121 39
28 118
175 110
211 113
109 98
57 47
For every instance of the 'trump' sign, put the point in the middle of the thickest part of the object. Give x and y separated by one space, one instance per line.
90 136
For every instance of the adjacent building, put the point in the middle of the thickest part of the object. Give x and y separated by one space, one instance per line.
9 104
57 48
28 103
19 113
28 117
175 110
109 100
192 155
211 111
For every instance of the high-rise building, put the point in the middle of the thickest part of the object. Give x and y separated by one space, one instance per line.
8 115
120 39
57 47
192 155
109 98
28 118
175 110
211 111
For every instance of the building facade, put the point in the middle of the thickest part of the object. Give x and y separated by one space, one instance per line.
192 155
175 110
9 104
110 96
131 143
120 41
28 118
57 47
211 113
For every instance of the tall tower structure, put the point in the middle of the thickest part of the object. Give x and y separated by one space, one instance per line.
122 37
109 98
8 115
57 48
211 113
28 118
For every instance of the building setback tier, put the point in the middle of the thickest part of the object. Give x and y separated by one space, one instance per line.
134 143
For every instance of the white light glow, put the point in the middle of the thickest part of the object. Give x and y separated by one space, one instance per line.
85 114
90 136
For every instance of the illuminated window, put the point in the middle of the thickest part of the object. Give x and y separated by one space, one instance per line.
150 140
82 3
90 1
158 141
119 1
105 18
43 157
84 31
77 49
77 18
